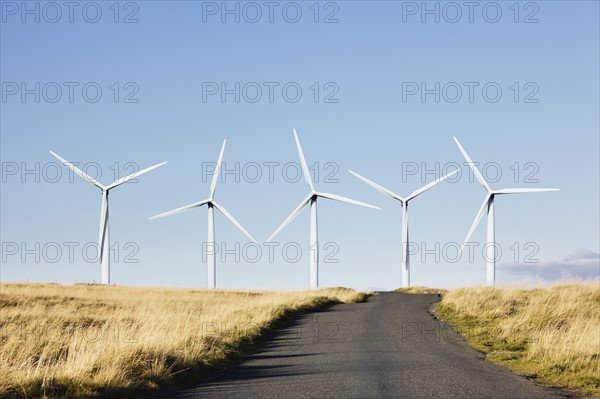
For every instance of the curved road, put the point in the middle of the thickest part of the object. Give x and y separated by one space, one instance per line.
389 347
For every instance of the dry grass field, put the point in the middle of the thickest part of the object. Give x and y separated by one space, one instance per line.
552 335
85 340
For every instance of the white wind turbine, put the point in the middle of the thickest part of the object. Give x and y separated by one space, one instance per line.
103 238
488 203
404 202
312 199
211 281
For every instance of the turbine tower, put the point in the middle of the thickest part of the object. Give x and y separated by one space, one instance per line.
404 202
103 238
488 203
312 200
210 203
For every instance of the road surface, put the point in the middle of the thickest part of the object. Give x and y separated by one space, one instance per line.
388 347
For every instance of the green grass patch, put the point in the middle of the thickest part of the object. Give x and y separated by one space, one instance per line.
550 335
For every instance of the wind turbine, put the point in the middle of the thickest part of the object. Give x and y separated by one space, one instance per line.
312 200
488 203
404 202
211 205
103 238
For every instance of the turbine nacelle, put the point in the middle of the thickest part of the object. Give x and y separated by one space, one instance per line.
404 201
103 240
210 201
96 183
488 201
313 193
312 200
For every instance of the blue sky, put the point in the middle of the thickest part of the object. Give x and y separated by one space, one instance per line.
544 124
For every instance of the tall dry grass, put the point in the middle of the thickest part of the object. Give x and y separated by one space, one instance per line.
550 334
84 340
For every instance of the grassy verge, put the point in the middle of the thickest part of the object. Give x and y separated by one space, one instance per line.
551 335
421 290
87 341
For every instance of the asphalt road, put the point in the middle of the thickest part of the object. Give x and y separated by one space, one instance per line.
389 347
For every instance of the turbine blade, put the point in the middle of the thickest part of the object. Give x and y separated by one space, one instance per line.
182 209
213 183
347 200
378 187
305 170
294 213
428 186
477 219
478 174
78 171
103 223
134 175
524 190
232 220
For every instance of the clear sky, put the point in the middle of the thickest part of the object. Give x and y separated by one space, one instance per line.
379 87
